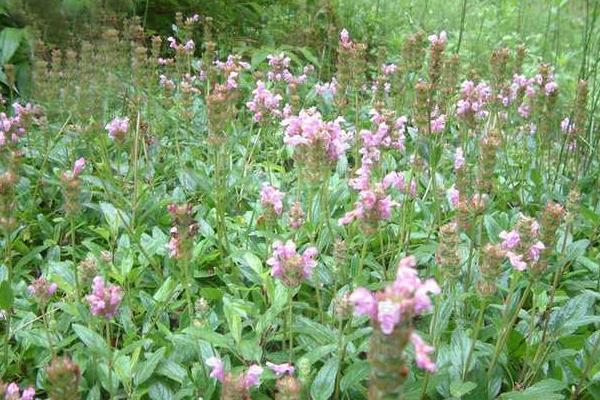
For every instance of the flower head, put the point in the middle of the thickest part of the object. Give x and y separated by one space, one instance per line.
117 128
281 369
218 369
271 199
104 301
290 266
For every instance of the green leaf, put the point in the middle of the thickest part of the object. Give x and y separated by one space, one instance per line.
10 40
546 389
459 389
62 272
6 295
354 374
172 370
160 391
146 368
324 383
94 342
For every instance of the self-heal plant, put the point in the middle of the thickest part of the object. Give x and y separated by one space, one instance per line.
391 312
234 387
289 265
104 300
117 128
12 392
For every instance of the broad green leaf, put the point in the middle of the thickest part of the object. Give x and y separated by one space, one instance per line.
459 389
6 295
324 384
146 368
10 40
92 340
547 389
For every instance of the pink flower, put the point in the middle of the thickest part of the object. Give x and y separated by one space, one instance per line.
510 239
438 124
535 251
252 376
327 89
422 351
28 394
12 390
550 88
218 371
364 302
405 298
308 132
281 369
388 315
453 195
271 199
291 267
104 301
78 167
189 46
459 159
440 39
345 39
264 102
42 290
516 260
567 126
117 128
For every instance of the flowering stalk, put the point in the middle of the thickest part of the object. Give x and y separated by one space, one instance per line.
391 312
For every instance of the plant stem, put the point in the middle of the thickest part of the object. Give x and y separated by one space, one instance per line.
478 327
289 325
504 335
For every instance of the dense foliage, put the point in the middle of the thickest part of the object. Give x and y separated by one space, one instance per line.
304 211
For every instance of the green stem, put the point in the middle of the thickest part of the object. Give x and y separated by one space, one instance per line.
478 327
504 336
289 324
73 256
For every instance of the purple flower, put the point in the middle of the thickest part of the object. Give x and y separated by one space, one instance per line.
42 290
28 394
516 260
218 369
438 124
510 239
459 159
453 196
271 199
310 133
78 166
422 351
104 301
252 376
291 267
550 88
264 102
117 128
388 315
281 369
566 126
535 250
364 302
